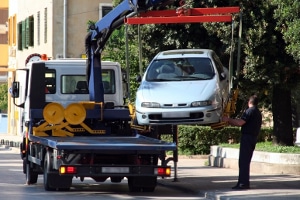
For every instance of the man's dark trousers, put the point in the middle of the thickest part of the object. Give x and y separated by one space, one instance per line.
247 146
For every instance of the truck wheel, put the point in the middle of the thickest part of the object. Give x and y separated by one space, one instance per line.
145 184
31 176
132 185
149 189
47 173
52 179
150 184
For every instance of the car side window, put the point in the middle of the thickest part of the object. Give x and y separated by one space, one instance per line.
218 64
154 70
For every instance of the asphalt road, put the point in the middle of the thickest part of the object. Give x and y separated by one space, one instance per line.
12 186
195 180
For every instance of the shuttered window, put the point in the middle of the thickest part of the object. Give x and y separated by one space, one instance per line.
12 30
23 29
45 25
38 28
26 32
3 20
31 31
20 36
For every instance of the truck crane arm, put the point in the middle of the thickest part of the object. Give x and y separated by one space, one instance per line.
99 34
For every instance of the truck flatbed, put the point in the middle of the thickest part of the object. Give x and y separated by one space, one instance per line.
106 143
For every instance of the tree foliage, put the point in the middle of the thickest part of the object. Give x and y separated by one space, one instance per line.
3 97
287 14
270 50
266 67
116 51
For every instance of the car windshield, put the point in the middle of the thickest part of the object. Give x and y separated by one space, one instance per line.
180 69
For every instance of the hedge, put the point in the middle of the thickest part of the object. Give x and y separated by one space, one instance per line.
196 140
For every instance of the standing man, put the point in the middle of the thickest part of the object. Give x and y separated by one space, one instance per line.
250 122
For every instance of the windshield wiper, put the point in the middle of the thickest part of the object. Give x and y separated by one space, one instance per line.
193 77
165 79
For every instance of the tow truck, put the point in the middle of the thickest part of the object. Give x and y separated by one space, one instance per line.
68 134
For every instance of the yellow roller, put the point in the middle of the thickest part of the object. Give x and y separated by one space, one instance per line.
53 113
75 113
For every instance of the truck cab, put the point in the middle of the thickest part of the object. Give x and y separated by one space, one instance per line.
63 81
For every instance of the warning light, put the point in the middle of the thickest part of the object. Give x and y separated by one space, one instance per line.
163 171
44 57
67 170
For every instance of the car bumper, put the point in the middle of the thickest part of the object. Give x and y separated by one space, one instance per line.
201 116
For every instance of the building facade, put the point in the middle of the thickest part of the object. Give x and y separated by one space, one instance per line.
3 40
53 27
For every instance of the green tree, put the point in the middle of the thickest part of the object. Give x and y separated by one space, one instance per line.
3 97
269 51
116 51
267 66
288 23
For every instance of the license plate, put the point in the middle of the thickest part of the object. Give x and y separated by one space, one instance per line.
175 114
111 170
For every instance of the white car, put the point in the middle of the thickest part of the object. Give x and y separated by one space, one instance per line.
183 86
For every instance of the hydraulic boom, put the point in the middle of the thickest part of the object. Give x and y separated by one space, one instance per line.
99 34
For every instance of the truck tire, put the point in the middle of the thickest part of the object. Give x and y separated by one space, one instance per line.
150 184
31 176
47 173
52 179
144 184
132 186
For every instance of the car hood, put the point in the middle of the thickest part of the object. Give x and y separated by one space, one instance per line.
177 91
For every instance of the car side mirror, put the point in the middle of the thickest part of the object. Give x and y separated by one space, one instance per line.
222 76
138 78
15 89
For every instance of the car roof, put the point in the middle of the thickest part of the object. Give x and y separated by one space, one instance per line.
185 53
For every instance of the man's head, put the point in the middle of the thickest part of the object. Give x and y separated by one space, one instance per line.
253 100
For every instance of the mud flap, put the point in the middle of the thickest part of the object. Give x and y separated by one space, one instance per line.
60 182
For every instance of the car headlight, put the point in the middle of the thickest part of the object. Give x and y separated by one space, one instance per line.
150 105
201 103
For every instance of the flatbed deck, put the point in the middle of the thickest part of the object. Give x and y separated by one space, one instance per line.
106 143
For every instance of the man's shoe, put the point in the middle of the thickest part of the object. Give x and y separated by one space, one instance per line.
241 187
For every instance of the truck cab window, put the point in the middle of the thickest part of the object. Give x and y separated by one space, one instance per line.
108 79
50 82
74 84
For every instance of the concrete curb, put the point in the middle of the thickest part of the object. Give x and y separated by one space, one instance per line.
4 148
262 162
10 143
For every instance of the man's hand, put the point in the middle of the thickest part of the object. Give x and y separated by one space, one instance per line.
225 119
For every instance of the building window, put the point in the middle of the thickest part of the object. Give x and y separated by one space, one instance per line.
38 28
27 32
12 27
104 8
45 25
3 26
20 36
31 31
23 28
